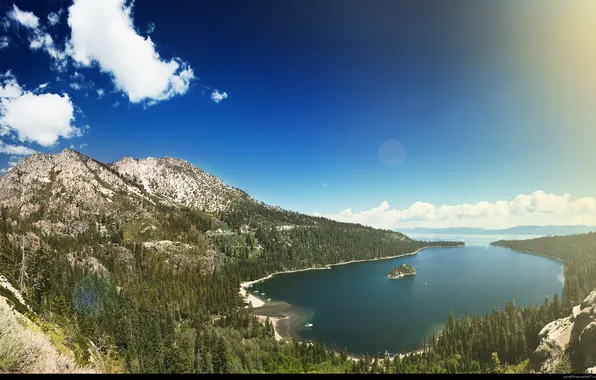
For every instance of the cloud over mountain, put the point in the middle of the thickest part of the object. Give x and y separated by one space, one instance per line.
537 208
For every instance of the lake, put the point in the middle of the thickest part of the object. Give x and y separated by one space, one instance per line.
356 306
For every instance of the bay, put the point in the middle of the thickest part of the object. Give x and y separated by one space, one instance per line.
357 307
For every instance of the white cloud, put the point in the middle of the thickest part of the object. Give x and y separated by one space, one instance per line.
15 150
41 87
27 19
4 42
217 96
40 118
538 208
9 88
54 18
102 33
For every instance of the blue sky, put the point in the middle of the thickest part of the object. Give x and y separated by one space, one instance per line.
314 89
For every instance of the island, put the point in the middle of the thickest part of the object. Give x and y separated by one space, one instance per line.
401 271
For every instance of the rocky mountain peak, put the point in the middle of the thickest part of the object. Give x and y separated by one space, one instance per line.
66 186
63 186
177 181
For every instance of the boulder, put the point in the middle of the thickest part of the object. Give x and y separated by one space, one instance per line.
574 335
576 310
586 316
590 300
587 345
554 340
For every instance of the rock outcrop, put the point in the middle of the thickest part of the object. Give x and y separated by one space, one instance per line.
554 341
574 335
179 182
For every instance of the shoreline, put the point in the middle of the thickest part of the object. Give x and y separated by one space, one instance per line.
275 321
531 253
328 266
257 302
536 254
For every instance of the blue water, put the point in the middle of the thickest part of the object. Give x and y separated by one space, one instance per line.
356 306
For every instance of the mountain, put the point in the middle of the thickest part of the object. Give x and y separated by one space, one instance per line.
135 266
517 230
177 181
131 260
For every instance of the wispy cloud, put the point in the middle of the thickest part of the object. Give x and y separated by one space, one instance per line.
15 150
40 39
150 28
4 42
54 17
27 19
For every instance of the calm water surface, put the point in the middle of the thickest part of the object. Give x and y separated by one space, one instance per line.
356 306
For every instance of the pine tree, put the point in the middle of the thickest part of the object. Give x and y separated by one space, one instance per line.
556 307
495 364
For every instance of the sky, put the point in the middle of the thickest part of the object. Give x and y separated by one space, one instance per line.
395 114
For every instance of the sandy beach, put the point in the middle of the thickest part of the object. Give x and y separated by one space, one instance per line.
275 321
256 302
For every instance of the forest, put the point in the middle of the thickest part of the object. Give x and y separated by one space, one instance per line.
155 312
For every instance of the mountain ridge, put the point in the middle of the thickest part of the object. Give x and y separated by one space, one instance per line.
521 229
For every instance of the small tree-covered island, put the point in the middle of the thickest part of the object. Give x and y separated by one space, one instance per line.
401 271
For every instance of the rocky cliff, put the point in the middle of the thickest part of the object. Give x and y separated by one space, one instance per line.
571 338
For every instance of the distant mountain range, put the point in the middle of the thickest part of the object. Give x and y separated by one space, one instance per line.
517 230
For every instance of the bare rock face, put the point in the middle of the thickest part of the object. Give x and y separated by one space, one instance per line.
587 345
65 187
179 182
584 331
577 330
590 300
63 190
554 340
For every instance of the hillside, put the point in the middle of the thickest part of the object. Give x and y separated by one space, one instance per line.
132 259
27 346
